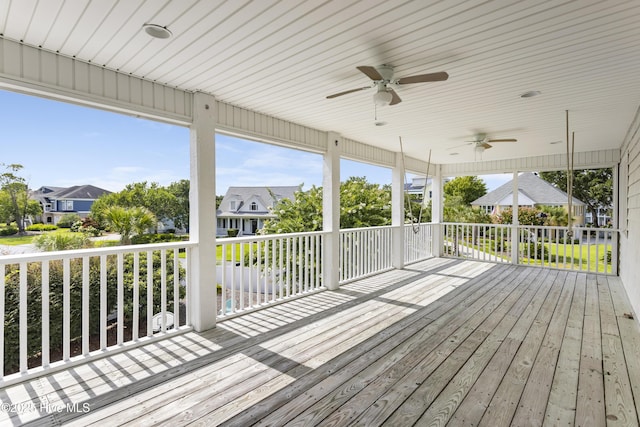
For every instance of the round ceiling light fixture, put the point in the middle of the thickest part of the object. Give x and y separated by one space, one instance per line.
382 98
530 94
157 31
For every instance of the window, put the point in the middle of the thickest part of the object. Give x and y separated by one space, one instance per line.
253 206
232 205
67 205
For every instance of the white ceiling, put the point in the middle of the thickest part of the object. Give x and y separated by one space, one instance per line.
282 57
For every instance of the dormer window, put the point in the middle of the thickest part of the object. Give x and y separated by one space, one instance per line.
253 206
232 205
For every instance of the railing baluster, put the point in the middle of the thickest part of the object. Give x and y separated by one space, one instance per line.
149 293
597 260
66 309
85 304
45 313
234 261
163 290
103 302
176 289
120 303
136 296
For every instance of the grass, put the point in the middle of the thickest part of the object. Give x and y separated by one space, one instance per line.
26 239
229 251
574 256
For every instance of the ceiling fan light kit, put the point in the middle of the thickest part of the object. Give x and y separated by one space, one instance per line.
383 97
382 78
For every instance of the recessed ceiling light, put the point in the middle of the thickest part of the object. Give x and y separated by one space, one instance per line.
157 31
530 94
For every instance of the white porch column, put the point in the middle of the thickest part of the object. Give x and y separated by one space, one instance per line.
514 227
397 213
436 211
202 213
331 211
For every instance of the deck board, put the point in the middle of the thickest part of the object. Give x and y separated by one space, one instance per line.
442 342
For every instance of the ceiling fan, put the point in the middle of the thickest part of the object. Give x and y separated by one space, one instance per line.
481 142
383 79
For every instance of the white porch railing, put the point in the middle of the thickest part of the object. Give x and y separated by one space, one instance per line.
61 308
257 270
592 250
364 251
418 242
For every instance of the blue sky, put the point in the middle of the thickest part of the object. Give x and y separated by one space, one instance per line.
61 144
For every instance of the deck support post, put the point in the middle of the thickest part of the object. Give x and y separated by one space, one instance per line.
202 213
331 211
397 213
514 226
436 212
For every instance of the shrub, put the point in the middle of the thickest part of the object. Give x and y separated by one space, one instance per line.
67 220
42 227
232 232
9 230
535 251
61 241
143 239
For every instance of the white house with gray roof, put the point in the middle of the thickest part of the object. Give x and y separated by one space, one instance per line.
533 191
247 208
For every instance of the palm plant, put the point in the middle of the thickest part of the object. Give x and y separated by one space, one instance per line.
129 221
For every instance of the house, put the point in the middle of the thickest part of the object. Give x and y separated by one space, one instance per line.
247 208
533 191
417 188
59 201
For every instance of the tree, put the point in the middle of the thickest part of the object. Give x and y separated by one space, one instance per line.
158 200
15 197
180 190
129 221
362 204
592 186
466 188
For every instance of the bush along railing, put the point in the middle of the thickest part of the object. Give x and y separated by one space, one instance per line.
418 239
483 242
64 307
364 251
589 249
255 271
592 250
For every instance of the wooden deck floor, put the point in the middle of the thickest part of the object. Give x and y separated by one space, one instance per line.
443 342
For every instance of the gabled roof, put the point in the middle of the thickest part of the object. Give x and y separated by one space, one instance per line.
244 195
537 189
75 192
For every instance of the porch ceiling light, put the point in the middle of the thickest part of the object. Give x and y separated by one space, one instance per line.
530 94
382 98
479 149
157 31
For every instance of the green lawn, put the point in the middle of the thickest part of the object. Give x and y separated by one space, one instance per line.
26 239
229 251
581 258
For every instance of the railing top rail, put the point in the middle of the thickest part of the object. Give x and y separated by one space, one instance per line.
547 227
411 224
92 252
378 227
246 239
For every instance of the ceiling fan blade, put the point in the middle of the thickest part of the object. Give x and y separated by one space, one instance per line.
503 140
395 99
485 145
371 72
423 78
335 95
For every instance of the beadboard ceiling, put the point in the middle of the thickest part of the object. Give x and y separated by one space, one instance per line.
283 57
